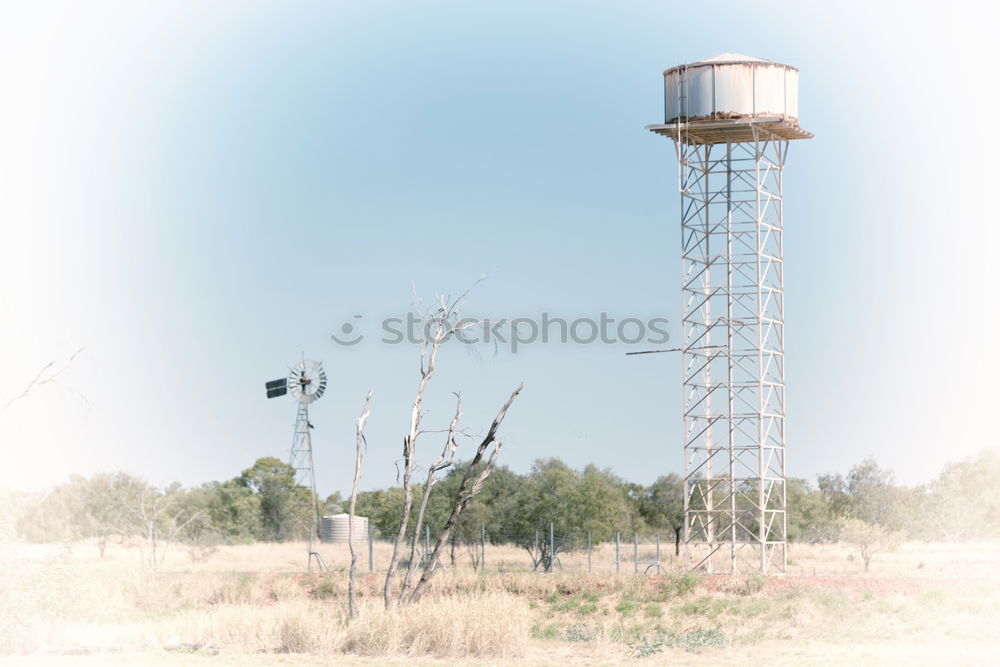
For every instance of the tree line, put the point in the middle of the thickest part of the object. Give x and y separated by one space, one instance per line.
265 504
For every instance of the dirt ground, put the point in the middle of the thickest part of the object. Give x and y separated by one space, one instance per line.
910 652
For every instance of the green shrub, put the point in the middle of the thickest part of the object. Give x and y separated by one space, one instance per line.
692 639
580 633
676 585
544 632
699 607
627 607
325 589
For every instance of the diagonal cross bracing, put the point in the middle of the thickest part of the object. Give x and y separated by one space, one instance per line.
733 297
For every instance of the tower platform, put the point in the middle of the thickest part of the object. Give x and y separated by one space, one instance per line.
733 130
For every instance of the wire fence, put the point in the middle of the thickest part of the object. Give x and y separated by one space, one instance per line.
542 551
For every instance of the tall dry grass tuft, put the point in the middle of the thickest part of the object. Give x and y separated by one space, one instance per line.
478 624
483 625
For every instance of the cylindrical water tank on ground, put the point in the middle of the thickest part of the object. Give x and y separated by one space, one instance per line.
731 86
334 528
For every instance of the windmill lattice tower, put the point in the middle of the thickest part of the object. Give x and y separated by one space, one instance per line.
731 118
306 382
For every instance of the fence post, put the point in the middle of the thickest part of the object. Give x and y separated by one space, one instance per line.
635 552
427 543
657 553
618 549
482 547
371 537
590 552
552 546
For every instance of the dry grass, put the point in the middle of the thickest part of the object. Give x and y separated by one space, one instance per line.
56 601
248 601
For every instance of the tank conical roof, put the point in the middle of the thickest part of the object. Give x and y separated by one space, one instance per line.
730 58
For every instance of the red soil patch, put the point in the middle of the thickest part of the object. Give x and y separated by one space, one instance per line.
858 584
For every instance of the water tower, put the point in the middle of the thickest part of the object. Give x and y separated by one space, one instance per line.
731 118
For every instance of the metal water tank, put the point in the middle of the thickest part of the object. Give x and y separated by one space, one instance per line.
334 528
731 86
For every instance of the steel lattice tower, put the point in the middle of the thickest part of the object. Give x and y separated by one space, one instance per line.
306 382
301 458
730 160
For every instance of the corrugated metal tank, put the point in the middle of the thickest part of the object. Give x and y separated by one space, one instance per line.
731 85
334 528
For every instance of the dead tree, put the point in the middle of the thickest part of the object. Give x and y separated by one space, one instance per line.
444 461
151 514
360 445
440 325
465 493
475 555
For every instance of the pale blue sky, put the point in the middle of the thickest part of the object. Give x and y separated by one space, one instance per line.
199 192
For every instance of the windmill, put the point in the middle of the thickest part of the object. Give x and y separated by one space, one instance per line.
306 382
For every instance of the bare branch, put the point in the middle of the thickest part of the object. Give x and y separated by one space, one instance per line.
41 378
456 302
446 459
360 445
487 469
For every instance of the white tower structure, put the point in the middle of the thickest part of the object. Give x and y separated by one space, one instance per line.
731 118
